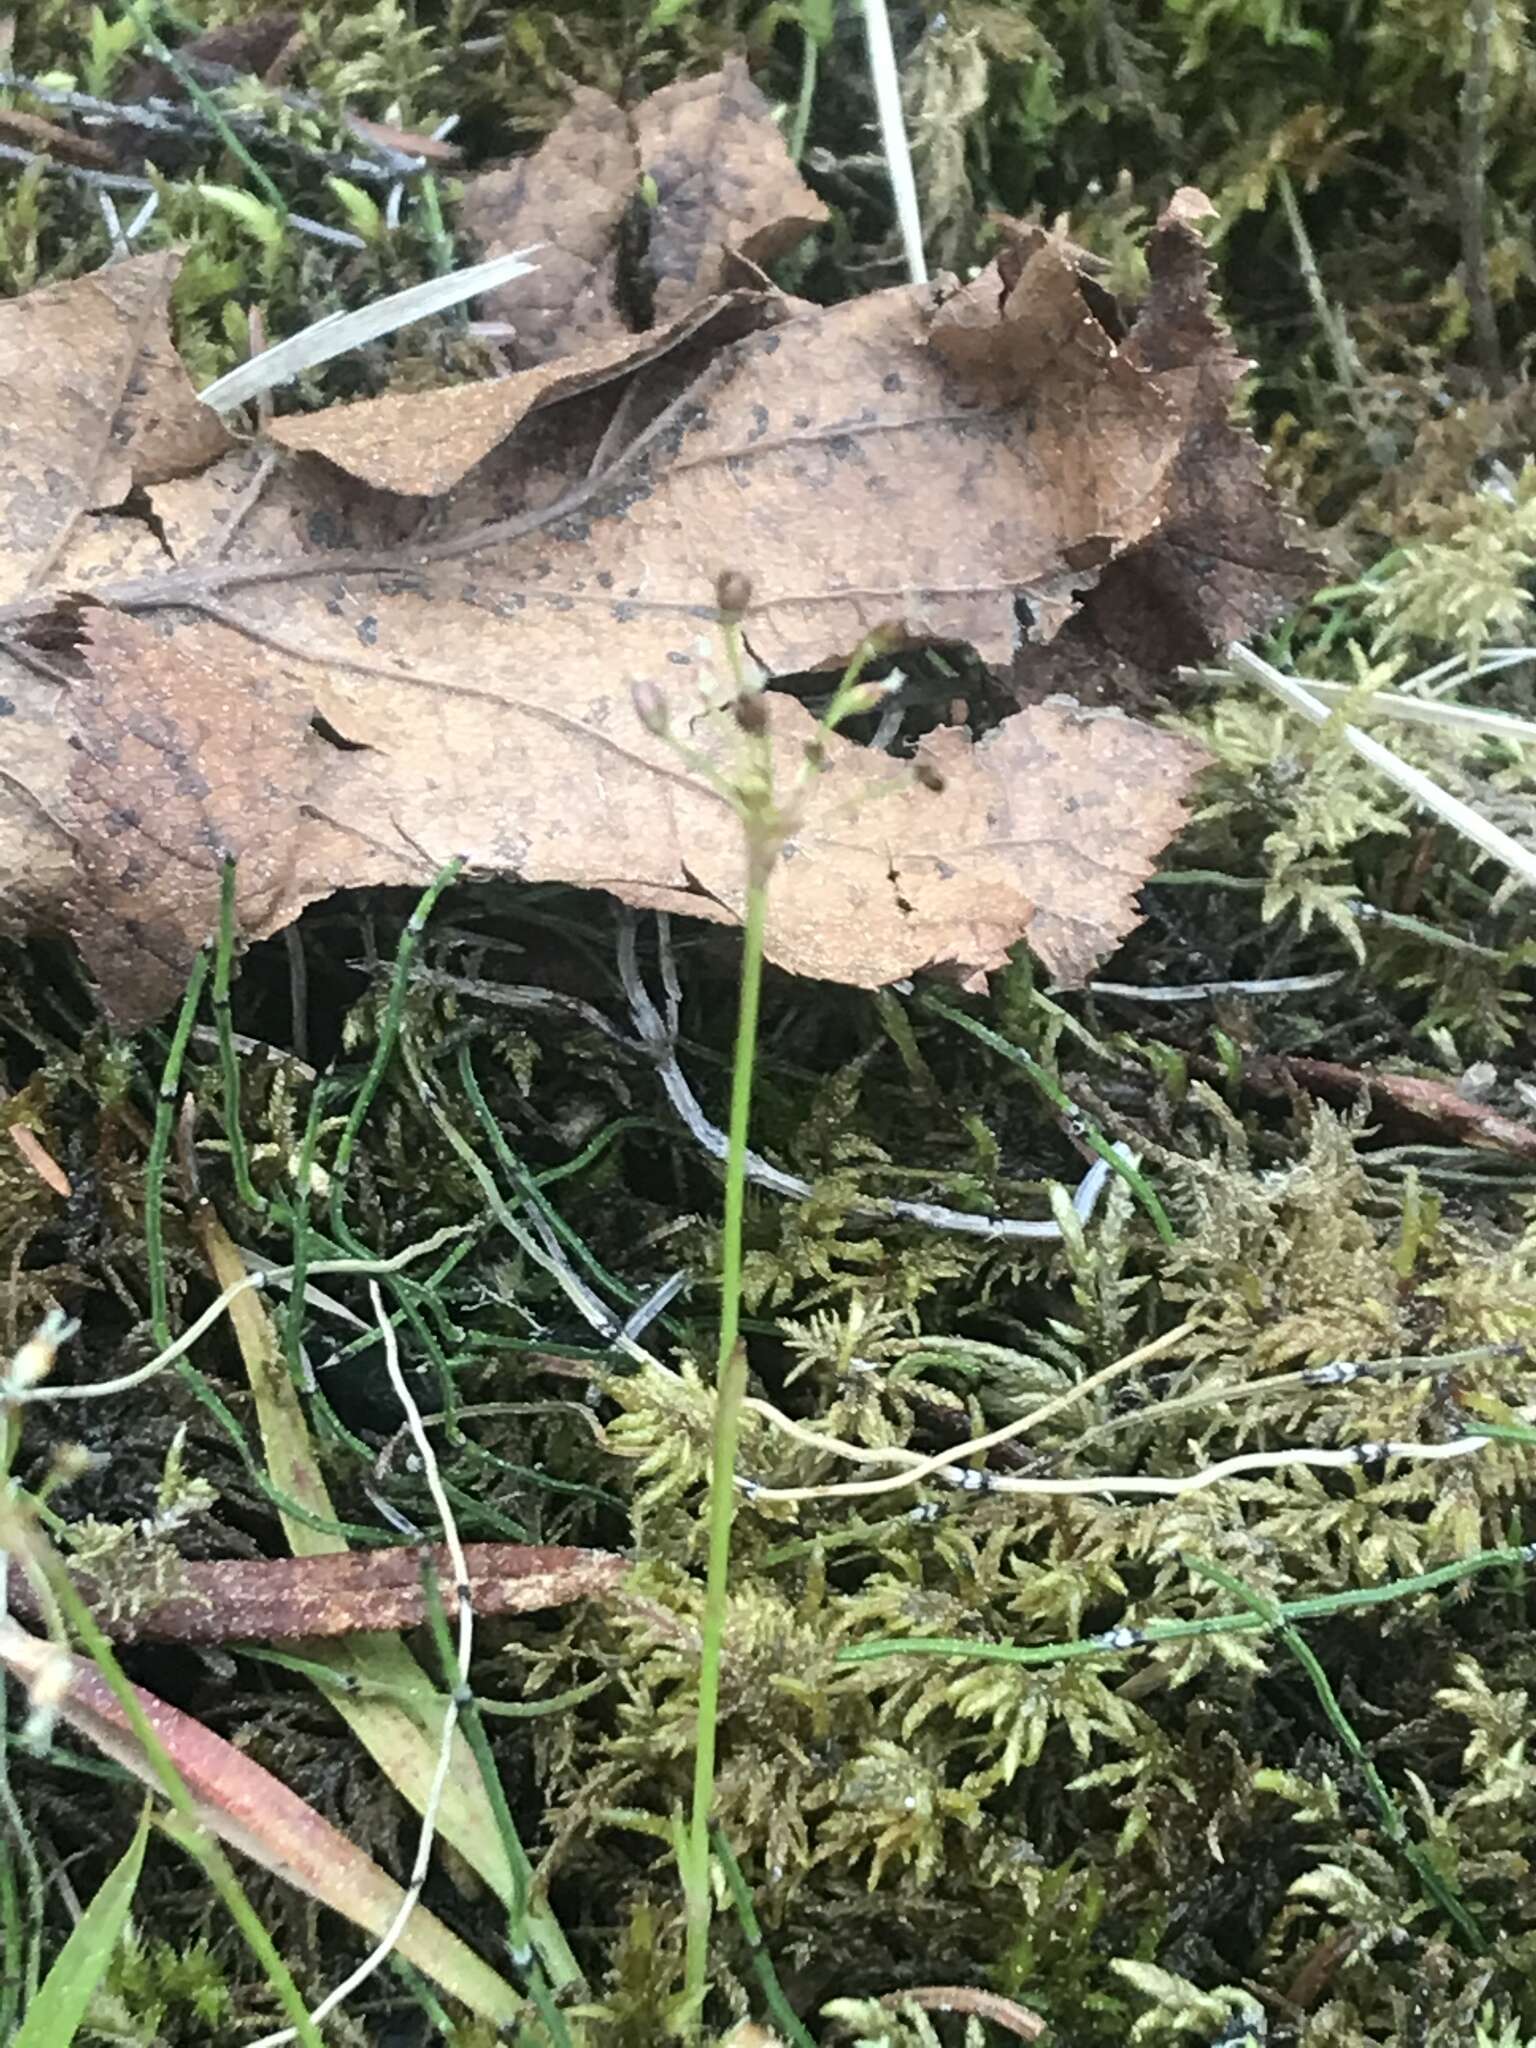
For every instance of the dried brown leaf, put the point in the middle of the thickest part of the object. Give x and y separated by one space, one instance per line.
423 444
281 1599
342 699
232 49
721 183
93 401
723 180
1227 558
568 197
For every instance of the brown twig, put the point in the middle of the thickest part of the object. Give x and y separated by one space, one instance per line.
1023 2024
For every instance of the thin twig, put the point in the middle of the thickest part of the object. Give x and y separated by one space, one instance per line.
918 1466
661 1044
1202 991
1348 1457
1520 860
11 1390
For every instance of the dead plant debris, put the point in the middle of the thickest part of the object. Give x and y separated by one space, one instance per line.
345 687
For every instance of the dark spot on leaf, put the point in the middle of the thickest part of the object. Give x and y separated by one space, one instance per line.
679 659
7 708
368 630
892 381
323 729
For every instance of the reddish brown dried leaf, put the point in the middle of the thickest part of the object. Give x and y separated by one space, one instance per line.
255 1813
1017 2019
232 1600
247 47
32 131
435 149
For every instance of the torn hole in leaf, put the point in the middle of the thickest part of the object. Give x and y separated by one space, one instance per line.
944 684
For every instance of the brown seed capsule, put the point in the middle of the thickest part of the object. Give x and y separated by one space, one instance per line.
751 712
733 592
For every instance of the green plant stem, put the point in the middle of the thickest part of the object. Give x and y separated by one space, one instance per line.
1476 98
1435 1886
783 2012
809 55
1115 1642
538 1944
208 106
1345 362
389 1030
1054 1093
229 1062
730 1386
160 1145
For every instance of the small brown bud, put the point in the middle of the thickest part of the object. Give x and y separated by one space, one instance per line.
928 775
650 706
751 712
733 592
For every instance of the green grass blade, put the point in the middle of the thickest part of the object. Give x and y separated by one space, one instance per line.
54 2016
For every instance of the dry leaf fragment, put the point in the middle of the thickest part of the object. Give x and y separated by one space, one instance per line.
1420 1104
343 702
720 181
279 1599
93 401
1227 559
723 180
569 196
33 131
1017 2019
423 444
233 49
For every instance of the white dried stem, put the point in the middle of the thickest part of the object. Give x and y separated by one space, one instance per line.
1426 792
